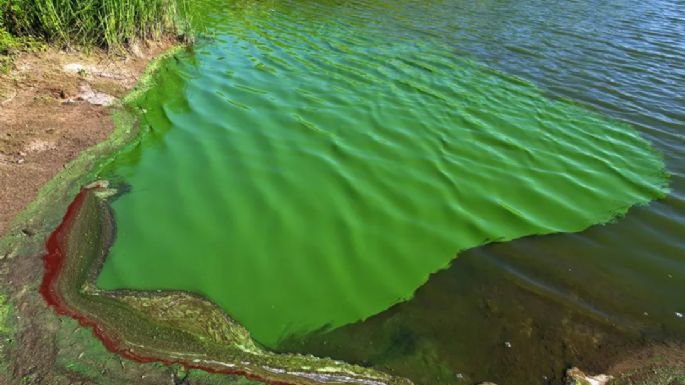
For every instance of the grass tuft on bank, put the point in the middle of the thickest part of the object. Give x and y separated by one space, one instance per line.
102 23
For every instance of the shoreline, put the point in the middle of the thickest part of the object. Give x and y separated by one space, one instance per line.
30 351
23 244
54 105
22 250
77 248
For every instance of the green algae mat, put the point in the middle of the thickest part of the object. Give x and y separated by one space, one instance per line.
310 165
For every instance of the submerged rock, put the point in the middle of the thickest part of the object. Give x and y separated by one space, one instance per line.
96 98
76 68
575 376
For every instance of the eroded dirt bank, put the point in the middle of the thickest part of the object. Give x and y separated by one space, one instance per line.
53 105
53 110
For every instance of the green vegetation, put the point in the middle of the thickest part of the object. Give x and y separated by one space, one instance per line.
102 23
6 330
11 45
5 310
7 41
174 327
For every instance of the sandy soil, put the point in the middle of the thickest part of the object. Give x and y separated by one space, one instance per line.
53 105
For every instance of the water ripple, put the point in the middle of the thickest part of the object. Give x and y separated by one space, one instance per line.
314 162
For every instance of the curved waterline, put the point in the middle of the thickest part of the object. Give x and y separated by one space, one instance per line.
312 165
167 327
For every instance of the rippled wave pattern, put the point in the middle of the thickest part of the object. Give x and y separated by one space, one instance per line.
312 163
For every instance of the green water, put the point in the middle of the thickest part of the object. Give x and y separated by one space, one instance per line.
310 164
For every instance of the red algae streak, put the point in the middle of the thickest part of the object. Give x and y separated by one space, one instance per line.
54 259
54 262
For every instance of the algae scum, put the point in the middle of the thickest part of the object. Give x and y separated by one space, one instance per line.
311 164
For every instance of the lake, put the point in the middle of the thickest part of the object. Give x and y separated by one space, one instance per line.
449 191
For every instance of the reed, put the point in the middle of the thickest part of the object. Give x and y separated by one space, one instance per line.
104 23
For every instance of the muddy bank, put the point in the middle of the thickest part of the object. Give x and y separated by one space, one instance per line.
53 105
38 346
51 133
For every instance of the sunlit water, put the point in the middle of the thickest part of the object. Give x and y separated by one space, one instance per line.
310 164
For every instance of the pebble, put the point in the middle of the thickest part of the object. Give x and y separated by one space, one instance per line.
75 68
507 344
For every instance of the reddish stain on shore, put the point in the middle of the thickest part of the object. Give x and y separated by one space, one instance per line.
54 262
54 259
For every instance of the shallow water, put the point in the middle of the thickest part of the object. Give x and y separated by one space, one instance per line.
312 163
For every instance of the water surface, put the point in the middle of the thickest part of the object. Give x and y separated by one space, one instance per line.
312 163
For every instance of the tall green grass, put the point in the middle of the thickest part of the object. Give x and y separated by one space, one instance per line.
104 23
5 37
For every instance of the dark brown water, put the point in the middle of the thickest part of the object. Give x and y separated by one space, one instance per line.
583 299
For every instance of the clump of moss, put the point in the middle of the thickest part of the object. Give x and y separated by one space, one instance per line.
5 331
10 44
5 309
654 374
6 40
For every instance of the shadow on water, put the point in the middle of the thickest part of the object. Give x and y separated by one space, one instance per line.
522 312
